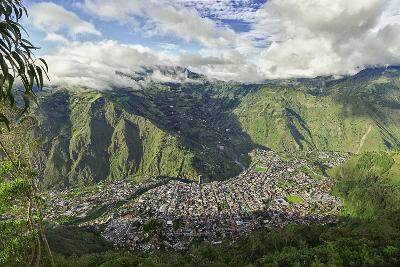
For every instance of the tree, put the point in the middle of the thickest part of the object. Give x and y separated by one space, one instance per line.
22 230
17 61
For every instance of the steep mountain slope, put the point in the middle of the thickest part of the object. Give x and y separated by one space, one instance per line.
91 139
353 114
369 183
177 130
204 129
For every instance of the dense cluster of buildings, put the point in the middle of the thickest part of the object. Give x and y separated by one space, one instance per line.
75 204
273 192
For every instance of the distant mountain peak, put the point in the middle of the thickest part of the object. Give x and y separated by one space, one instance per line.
167 74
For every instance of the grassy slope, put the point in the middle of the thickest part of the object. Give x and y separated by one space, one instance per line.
175 131
356 114
369 185
101 141
204 129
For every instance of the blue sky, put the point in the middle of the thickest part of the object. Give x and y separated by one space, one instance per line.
86 41
126 33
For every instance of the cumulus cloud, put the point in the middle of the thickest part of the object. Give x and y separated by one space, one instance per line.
162 18
320 37
95 64
287 38
52 18
56 38
222 64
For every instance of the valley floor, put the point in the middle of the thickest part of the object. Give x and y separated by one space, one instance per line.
273 192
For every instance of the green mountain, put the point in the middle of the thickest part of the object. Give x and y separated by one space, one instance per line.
353 114
369 184
204 129
180 130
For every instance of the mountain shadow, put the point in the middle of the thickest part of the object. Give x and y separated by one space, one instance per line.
185 130
200 116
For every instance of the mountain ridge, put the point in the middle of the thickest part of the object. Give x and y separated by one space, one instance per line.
204 130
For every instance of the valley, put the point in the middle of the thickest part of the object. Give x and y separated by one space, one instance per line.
281 193
208 133
205 129
173 164
170 168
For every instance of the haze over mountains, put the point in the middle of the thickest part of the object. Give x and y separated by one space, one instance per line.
203 129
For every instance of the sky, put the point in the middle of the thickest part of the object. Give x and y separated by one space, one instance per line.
86 41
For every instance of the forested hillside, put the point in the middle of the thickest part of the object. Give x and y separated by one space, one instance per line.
352 114
204 129
179 130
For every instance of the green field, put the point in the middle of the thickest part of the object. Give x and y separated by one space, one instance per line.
294 199
260 169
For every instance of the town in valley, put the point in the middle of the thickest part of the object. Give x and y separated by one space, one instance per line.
273 191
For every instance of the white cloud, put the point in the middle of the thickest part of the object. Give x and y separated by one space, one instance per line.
95 64
117 10
53 18
168 46
56 38
321 37
223 64
162 18
288 38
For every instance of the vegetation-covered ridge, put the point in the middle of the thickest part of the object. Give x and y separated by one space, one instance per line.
181 130
204 130
368 234
353 114
370 185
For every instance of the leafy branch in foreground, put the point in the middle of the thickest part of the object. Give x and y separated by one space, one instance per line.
22 229
23 238
17 61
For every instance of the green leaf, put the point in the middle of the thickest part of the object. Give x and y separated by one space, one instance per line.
44 71
6 37
11 61
32 75
2 10
40 74
3 64
25 81
17 29
26 11
10 79
36 76
28 43
20 62
5 47
45 63
2 81
5 121
20 13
